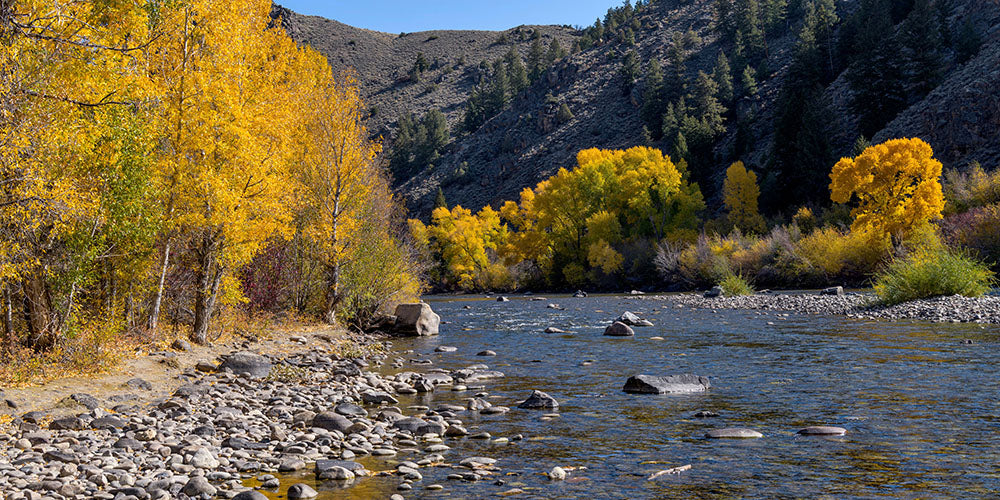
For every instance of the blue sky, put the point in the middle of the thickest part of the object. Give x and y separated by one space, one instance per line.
394 16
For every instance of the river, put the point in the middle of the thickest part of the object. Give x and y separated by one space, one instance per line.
920 403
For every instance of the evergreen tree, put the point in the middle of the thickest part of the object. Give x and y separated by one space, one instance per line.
439 200
629 71
921 42
723 77
515 71
653 99
498 95
706 104
725 22
670 125
820 20
748 23
680 149
676 83
555 52
876 76
773 15
860 145
967 41
536 63
748 81
564 114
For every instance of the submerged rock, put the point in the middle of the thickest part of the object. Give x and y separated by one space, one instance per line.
733 433
671 384
823 430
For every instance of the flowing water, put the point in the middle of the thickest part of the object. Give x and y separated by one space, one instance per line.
921 406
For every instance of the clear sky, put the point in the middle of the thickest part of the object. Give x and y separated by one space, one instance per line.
395 16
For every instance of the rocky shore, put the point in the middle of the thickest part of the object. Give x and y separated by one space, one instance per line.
952 309
238 423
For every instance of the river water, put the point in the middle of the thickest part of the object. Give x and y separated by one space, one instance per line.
920 404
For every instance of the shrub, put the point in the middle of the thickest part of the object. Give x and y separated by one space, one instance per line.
933 272
736 284
977 230
974 187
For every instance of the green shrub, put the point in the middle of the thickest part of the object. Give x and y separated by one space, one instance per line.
736 284
931 273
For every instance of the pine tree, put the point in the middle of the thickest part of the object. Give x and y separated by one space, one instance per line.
536 63
921 43
564 114
723 78
680 149
555 52
498 95
749 25
967 41
676 79
876 76
725 22
707 107
629 71
653 98
516 73
774 13
748 81
439 200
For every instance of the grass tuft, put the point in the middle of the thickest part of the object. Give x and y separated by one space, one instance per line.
932 273
735 284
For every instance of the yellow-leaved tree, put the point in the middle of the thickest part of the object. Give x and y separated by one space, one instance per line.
896 184
472 246
225 77
740 194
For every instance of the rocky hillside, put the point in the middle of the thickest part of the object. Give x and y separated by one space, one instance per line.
383 61
528 142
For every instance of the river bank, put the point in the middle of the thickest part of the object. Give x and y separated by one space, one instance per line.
862 305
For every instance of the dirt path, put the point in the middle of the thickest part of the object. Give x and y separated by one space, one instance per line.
163 371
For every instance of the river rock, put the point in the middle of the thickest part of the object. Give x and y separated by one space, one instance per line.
539 401
181 345
299 491
714 292
138 384
823 430
502 299
619 329
250 495
445 348
675 384
331 421
553 329
733 433
255 365
197 486
416 319
486 353
833 290
579 294
557 474
203 459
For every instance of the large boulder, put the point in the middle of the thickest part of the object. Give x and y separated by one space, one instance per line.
332 421
631 319
255 365
714 292
417 319
619 329
671 384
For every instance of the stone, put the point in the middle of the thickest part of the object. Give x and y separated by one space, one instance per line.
671 384
203 459
553 329
539 401
833 290
350 410
705 414
139 384
733 433
376 397
331 421
579 294
715 291
823 430
255 365
197 486
416 319
351 466
86 400
629 318
66 424
181 345
107 422
291 464
301 490
250 495
336 473
445 348
557 474
619 329
205 366
502 299
477 462
486 353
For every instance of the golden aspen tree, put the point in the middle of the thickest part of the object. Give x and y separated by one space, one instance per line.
226 120
60 65
740 194
335 174
470 245
896 184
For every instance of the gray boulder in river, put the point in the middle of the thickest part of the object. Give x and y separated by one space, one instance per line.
247 362
619 329
671 384
539 401
417 319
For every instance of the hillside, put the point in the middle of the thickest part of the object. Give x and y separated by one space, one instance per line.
382 62
526 143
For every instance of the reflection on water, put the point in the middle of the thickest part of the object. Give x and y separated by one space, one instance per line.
920 405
